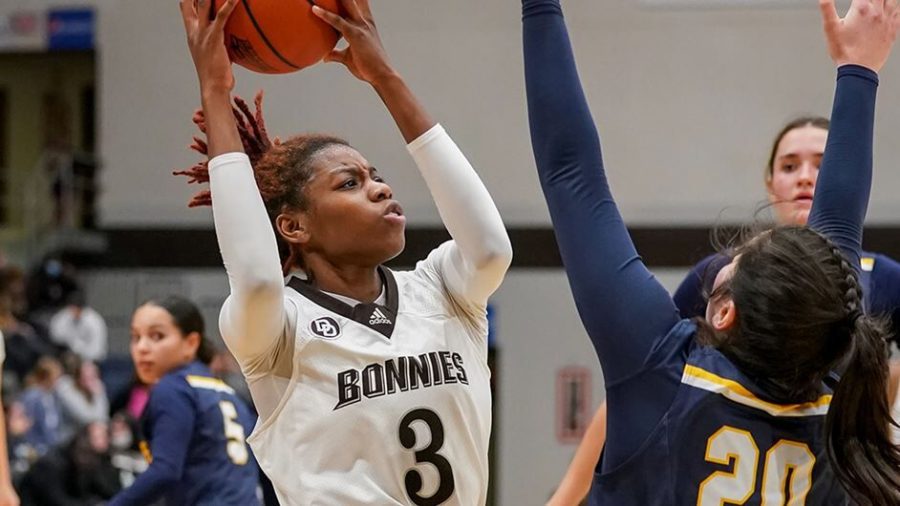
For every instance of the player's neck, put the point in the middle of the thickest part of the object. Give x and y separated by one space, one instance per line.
361 283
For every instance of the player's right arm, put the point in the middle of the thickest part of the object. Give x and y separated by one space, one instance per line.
623 308
253 316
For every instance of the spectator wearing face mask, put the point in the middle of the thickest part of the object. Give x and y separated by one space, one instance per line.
80 329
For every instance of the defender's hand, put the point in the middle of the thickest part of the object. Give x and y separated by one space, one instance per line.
865 35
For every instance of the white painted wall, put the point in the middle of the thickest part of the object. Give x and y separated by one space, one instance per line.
539 333
687 101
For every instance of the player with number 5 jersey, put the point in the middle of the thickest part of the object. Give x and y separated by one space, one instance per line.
781 388
372 385
194 426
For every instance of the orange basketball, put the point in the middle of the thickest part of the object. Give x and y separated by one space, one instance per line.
278 36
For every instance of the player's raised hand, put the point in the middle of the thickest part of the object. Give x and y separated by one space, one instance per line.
364 56
865 35
205 30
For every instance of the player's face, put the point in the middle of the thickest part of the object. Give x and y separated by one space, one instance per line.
157 344
352 216
795 169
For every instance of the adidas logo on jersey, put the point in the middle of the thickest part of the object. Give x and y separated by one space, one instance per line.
378 318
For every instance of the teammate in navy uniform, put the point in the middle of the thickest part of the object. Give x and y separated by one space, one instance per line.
790 183
737 407
194 426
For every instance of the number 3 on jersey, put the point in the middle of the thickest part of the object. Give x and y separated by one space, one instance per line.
427 455
785 460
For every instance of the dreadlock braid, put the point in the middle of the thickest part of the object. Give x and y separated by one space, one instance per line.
281 169
254 137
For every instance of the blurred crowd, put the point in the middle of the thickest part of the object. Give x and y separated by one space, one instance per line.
72 412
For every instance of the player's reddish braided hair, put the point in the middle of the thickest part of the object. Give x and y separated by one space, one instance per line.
254 137
281 169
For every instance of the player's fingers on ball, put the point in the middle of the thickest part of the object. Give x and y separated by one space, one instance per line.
204 12
225 12
187 12
337 55
336 22
352 9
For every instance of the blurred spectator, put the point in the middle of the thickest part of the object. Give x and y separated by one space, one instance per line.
124 448
77 474
49 286
79 328
24 346
82 396
42 406
133 400
22 454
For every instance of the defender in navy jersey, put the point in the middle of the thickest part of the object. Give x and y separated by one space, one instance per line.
194 426
790 181
730 409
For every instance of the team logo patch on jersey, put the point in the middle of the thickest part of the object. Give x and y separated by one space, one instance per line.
379 318
325 327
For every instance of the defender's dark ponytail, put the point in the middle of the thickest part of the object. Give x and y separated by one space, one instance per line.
857 425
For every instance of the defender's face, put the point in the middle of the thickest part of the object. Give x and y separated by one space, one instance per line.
795 169
157 344
352 216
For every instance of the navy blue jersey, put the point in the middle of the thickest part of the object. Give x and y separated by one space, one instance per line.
194 429
671 400
723 441
879 278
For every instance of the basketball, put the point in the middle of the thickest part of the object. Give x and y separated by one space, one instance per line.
277 37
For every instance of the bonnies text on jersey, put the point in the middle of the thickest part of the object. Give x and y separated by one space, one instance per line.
400 375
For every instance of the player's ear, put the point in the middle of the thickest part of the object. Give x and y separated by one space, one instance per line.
291 227
724 315
192 345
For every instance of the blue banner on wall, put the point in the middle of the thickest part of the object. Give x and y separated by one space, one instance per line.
70 29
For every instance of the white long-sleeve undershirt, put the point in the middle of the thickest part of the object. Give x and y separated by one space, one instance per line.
256 316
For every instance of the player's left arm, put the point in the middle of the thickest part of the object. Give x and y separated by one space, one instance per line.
172 415
481 252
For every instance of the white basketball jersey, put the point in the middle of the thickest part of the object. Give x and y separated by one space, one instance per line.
387 404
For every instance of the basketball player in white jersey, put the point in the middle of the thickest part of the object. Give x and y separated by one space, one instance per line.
372 385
